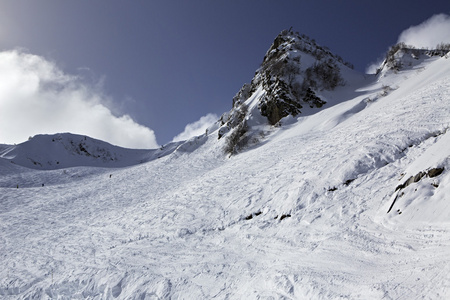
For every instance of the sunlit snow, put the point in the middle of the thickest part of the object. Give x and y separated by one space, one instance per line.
300 215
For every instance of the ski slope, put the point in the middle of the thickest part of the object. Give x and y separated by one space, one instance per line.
300 215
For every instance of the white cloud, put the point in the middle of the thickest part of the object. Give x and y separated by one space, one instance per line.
197 128
428 34
37 97
373 67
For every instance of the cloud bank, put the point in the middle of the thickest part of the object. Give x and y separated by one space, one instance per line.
36 97
428 34
197 128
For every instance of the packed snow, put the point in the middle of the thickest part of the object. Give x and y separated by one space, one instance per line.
302 214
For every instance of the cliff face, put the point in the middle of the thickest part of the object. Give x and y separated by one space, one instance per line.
293 70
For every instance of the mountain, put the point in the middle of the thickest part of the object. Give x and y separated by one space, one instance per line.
58 151
295 77
69 150
344 199
401 56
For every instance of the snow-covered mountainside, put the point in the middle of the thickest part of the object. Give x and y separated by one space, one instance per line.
58 151
349 200
401 56
68 150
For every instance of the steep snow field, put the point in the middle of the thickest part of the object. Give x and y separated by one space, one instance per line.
301 215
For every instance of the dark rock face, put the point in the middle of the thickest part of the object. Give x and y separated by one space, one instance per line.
412 179
435 172
312 99
293 72
277 105
416 178
288 85
285 216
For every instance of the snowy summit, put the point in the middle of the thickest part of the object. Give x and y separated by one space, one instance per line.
319 183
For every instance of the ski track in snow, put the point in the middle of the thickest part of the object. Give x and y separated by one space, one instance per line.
177 227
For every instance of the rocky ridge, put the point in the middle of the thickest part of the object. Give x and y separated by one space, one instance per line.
293 71
402 56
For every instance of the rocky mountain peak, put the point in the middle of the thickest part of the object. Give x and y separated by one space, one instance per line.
293 71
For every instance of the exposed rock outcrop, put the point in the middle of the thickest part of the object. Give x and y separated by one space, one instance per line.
401 56
292 73
433 172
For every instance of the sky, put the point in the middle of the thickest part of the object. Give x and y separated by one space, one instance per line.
140 74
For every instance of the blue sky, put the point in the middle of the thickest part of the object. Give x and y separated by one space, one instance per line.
165 64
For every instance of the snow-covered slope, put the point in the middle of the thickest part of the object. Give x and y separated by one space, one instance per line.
48 152
300 214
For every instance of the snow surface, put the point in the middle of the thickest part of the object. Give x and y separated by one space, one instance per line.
301 215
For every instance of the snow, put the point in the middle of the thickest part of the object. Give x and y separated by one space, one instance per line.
174 222
48 152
